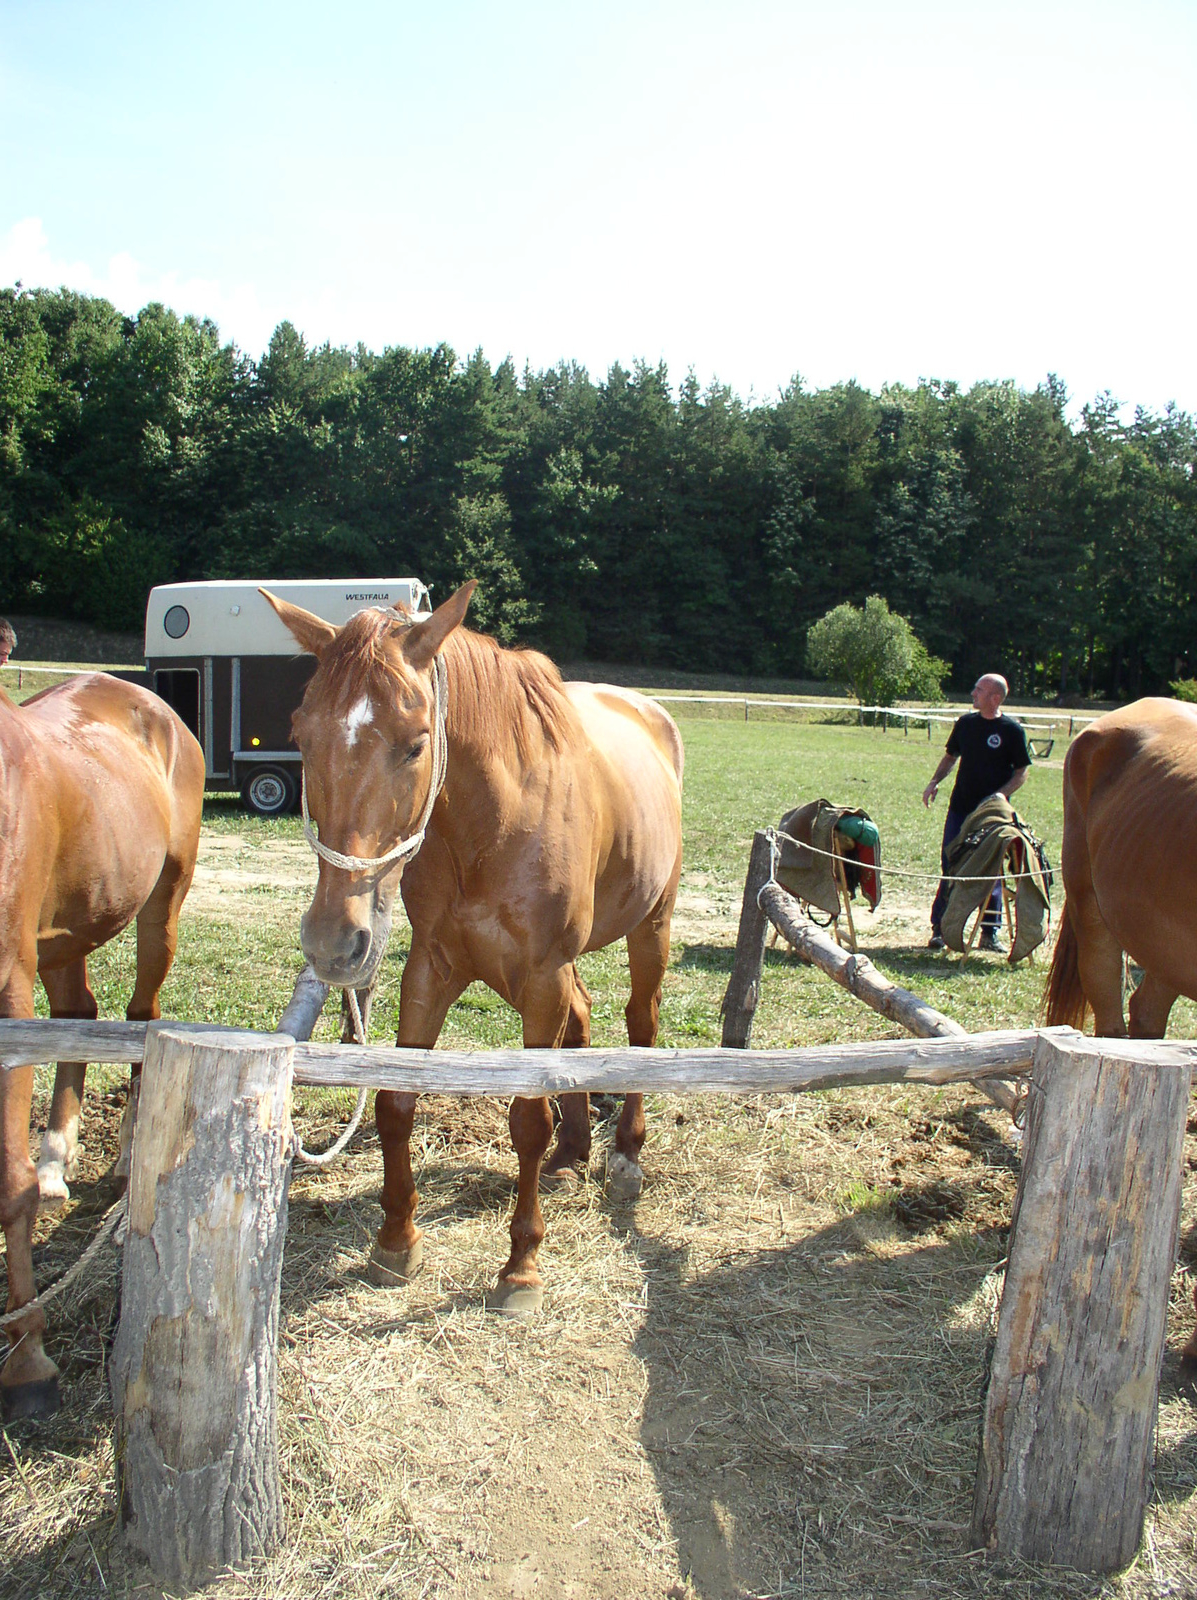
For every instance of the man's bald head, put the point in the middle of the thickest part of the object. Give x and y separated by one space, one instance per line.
989 691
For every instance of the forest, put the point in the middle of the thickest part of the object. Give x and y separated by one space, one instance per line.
630 519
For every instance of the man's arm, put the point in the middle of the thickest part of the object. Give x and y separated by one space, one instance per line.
946 762
1015 781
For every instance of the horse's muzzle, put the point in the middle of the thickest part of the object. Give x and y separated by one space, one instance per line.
350 958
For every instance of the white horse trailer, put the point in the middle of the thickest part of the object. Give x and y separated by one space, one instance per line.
219 655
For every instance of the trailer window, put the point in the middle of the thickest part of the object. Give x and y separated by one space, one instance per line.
177 621
180 688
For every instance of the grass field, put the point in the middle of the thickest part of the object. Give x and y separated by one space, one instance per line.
738 777
764 1379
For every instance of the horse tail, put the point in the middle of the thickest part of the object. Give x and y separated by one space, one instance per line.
1064 1002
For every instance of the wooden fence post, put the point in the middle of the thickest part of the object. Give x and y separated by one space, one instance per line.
1069 1423
744 985
194 1365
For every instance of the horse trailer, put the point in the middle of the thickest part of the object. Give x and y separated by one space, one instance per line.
219 655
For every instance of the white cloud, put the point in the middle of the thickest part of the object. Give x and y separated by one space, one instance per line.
26 256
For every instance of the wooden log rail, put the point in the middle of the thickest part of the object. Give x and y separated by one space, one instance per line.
765 902
1006 1052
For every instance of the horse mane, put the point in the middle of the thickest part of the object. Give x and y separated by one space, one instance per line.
504 702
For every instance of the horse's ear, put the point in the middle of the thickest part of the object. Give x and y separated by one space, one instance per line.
423 641
310 633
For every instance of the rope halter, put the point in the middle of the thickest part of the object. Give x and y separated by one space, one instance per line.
440 761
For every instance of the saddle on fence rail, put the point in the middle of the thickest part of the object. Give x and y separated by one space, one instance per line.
993 840
843 832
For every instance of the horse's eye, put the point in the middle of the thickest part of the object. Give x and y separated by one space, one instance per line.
414 753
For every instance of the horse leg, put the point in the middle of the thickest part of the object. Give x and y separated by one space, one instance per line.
1099 964
157 941
424 1000
28 1378
571 1155
648 956
70 995
1149 1007
544 1003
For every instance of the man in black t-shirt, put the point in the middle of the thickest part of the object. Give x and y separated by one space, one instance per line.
994 758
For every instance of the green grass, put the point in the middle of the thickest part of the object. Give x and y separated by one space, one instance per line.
739 777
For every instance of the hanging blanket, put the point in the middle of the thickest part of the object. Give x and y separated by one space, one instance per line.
811 877
995 840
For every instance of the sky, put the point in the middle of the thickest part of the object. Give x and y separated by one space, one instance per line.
884 190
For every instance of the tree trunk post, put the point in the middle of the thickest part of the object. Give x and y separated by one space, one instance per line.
1069 1423
744 985
194 1365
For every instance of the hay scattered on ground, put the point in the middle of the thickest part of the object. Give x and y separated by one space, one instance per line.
763 1379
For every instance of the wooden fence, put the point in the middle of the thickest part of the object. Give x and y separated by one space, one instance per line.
194 1365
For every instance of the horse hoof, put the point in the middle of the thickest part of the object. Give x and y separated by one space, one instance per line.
624 1178
520 1301
52 1191
557 1180
39 1399
388 1268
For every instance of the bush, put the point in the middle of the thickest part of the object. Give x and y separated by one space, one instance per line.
1185 689
876 652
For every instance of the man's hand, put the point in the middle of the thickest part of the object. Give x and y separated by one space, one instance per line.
1015 781
946 763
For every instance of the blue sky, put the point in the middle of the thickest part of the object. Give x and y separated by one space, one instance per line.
869 190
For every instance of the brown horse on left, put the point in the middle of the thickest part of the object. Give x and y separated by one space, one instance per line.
101 797
1130 874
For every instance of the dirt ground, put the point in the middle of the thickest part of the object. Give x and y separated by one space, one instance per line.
763 1379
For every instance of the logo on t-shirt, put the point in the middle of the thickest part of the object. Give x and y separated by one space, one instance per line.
994 741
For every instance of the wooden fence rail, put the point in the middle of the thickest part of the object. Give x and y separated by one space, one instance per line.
1003 1053
765 902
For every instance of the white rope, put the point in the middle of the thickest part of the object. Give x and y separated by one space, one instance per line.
322 1158
405 847
113 1215
899 872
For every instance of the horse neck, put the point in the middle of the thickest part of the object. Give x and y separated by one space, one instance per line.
495 736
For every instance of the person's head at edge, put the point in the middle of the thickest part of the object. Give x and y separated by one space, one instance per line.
989 691
8 640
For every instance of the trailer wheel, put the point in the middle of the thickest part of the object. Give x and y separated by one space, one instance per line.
269 791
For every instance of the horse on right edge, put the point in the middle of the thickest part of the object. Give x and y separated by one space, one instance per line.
1129 864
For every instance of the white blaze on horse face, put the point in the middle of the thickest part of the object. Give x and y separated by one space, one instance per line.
357 718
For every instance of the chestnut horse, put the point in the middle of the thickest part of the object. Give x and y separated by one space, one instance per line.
101 795
557 830
1130 873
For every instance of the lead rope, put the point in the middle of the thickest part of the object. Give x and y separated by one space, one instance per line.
112 1217
322 1158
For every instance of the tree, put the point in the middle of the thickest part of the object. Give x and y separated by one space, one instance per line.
874 651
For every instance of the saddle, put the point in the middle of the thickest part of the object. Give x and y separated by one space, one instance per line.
993 840
850 833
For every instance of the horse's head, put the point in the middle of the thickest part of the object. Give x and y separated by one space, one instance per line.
367 731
